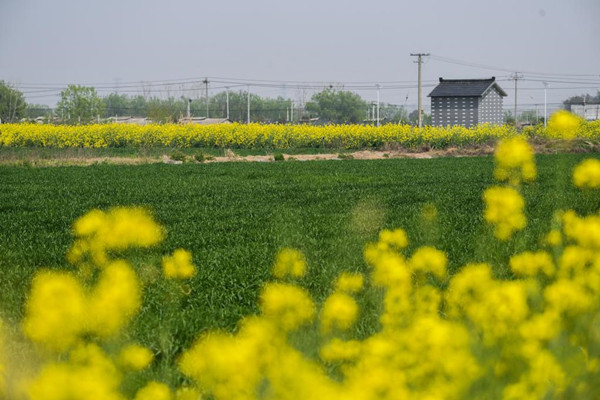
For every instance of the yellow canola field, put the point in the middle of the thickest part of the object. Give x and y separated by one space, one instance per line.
266 136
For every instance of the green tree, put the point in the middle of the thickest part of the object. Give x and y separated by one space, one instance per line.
337 106
166 111
393 113
116 104
79 105
12 104
38 110
413 118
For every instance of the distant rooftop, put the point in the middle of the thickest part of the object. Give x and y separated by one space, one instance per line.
465 87
204 121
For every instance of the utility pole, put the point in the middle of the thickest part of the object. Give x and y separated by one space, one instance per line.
227 93
545 102
516 76
205 81
420 61
378 105
248 103
189 114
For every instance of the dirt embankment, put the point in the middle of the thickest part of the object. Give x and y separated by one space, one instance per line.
68 158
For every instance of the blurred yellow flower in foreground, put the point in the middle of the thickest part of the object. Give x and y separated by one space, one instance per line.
587 174
563 124
179 265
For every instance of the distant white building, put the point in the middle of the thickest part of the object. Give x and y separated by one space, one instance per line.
589 112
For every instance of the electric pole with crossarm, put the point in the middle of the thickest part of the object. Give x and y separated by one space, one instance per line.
420 104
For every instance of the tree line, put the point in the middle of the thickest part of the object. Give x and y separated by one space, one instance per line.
82 105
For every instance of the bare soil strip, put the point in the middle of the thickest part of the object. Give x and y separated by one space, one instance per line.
546 147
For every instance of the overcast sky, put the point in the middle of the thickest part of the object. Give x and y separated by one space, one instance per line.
122 42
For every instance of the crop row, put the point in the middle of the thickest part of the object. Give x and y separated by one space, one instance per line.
260 136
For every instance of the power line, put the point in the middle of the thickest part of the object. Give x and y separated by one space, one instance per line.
494 68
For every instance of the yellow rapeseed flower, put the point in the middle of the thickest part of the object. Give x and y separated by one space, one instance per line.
289 305
135 357
504 210
554 238
396 238
187 393
339 312
338 350
179 265
428 259
349 282
154 391
587 174
88 374
229 366
117 229
530 264
569 297
56 310
562 124
114 300
514 161
289 262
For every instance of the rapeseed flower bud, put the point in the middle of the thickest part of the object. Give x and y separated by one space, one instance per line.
349 283
587 174
530 264
56 311
428 259
504 210
339 312
135 357
290 306
563 124
289 262
154 391
514 161
115 299
179 265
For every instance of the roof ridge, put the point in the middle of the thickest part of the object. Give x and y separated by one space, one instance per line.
493 78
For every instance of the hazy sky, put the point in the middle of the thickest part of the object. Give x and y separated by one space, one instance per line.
46 44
